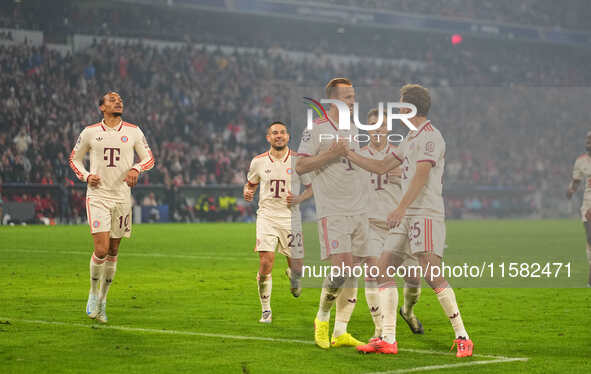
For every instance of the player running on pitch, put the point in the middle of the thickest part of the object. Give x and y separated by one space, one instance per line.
112 144
278 217
385 193
341 209
419 218
582 172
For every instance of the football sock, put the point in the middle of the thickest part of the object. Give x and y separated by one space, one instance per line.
388 294
373 303
447 299
97 266
328 295
346 301
108 276
265 284
411 296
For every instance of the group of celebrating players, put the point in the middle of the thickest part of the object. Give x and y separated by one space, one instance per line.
381 205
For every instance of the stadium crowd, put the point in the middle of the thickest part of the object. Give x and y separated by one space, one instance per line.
203 110
79 15
525 12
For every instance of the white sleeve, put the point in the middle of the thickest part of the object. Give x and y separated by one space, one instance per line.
252 176
309 145
431 148
144 153
77 156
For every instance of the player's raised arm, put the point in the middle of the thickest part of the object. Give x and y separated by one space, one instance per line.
76 160
375 166
308 163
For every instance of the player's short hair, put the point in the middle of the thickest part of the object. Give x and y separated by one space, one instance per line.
277 123
418 96
101 99
332 84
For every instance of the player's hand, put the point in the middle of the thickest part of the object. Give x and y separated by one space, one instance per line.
93 180
339 148
131 178
570 192
395 218
292 199
248 194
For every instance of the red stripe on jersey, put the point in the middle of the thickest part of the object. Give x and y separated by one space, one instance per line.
74 168
325 236
422 128
430 235
398 158
303 154
252 184
425 234
288 153
146 165
261 155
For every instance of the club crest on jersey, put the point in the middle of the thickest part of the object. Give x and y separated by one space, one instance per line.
124 139
96 224
306 136
289 171
334 244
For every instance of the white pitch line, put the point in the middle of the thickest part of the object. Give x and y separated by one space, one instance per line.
157 255
240 337
448 366
157 331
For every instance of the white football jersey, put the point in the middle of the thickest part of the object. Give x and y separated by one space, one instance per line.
424 145
385 190
112 152
339 187
276 177
582 172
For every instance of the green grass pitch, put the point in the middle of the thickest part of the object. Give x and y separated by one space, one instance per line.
184 300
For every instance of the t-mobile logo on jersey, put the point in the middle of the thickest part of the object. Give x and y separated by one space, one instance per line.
277 185
111 157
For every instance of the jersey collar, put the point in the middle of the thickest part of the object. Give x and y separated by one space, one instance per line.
107 128
414 134
286 156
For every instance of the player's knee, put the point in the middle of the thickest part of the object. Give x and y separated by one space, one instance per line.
101 251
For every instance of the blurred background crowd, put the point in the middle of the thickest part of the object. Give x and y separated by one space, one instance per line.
513 113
